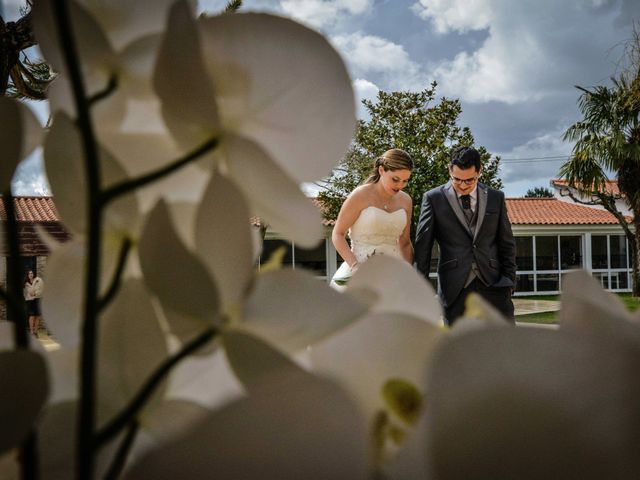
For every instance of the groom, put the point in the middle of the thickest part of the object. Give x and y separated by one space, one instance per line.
477 249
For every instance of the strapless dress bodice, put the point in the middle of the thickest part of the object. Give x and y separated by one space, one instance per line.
376 232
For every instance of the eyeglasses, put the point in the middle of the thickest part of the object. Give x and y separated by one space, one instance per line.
466 181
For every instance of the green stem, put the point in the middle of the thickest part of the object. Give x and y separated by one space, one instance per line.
85 465
131 411
109 89
120 458
117 276
128 186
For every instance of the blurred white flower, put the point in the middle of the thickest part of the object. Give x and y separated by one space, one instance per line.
383 359
20 135
282 119
216 284
291 426
538 403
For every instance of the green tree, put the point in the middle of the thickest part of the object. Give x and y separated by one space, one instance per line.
413 121
539 192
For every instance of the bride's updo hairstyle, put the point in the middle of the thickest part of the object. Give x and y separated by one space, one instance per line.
394 159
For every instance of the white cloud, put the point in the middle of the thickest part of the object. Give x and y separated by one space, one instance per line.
534 161
365 90
447 15
369 55
533 48
321 13
29 178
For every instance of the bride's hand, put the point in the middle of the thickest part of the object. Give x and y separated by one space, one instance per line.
354 266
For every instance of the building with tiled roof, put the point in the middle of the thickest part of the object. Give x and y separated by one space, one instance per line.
29 212
553 237
562 191
551 211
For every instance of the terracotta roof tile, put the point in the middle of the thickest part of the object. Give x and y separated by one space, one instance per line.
33 209
551 211
611 186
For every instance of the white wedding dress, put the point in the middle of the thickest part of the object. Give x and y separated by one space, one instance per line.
375 232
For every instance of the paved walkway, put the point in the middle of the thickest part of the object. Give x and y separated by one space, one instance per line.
525 306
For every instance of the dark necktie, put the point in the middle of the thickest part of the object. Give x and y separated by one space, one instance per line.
466 207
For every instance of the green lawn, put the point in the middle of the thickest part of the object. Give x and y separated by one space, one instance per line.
632 304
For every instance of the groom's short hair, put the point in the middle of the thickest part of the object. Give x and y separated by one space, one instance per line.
465 157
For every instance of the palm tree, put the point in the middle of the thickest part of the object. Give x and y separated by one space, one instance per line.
607 139
20 76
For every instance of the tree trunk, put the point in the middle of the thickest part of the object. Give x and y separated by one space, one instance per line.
634 255
629 185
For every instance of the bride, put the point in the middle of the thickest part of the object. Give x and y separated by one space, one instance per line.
377 216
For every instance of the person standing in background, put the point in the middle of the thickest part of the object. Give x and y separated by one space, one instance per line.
33 287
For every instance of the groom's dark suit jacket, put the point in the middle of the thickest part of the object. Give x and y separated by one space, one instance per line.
492 245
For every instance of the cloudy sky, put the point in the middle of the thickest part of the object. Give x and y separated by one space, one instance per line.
513 64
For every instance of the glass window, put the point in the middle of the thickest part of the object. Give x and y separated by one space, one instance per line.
546 253
570 252
314 260
619 281
618 245
599 251
270 246
548 282
524 253
603 278
524 282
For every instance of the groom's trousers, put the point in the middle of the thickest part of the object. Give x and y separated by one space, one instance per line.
499 297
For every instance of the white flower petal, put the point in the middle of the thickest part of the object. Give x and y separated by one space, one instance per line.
253 360
25 387
399 287
223 239
585 305
532 403
188 101
124 21
183 283
478 314
32 131
65 164
374 350
126 363
62 365
62 297
206 380
137 61
171 419
97 57
291 309
62 300
274 196
51 242
141 153
291 428
284 86
10 139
